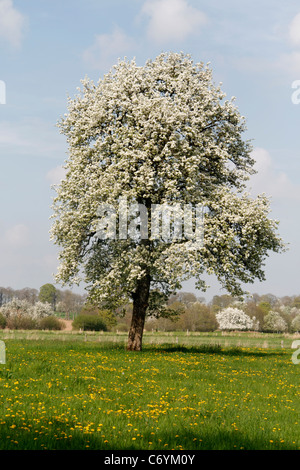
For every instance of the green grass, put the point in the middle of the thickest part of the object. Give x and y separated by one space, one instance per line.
224 339
62 394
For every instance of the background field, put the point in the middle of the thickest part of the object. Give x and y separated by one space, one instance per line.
224 339
89 394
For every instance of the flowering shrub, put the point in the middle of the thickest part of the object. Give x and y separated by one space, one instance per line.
295 325
41 310
234 319
22 308
16 308
21 315
273 322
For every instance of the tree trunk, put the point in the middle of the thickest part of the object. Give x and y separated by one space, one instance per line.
140 304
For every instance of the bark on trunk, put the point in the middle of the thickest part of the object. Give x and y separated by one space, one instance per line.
140 304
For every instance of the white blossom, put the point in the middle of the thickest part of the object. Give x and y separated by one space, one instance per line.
41 310
234 319
295 324
18 308
274 322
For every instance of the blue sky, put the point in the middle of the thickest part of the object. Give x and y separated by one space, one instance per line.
48 46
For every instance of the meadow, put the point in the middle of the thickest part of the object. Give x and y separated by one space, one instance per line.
60 391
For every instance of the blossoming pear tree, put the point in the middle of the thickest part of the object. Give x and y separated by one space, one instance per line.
151 135
232 318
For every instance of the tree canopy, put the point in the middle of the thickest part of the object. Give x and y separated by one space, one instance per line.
151 136
48 294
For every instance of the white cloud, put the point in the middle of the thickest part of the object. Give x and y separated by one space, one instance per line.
294 30
271 181
55 175
27 258
31 136
12 23
108 48
290 63
16 236
172 20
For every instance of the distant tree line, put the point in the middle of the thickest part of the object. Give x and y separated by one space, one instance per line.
266 313
63 302
183 311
